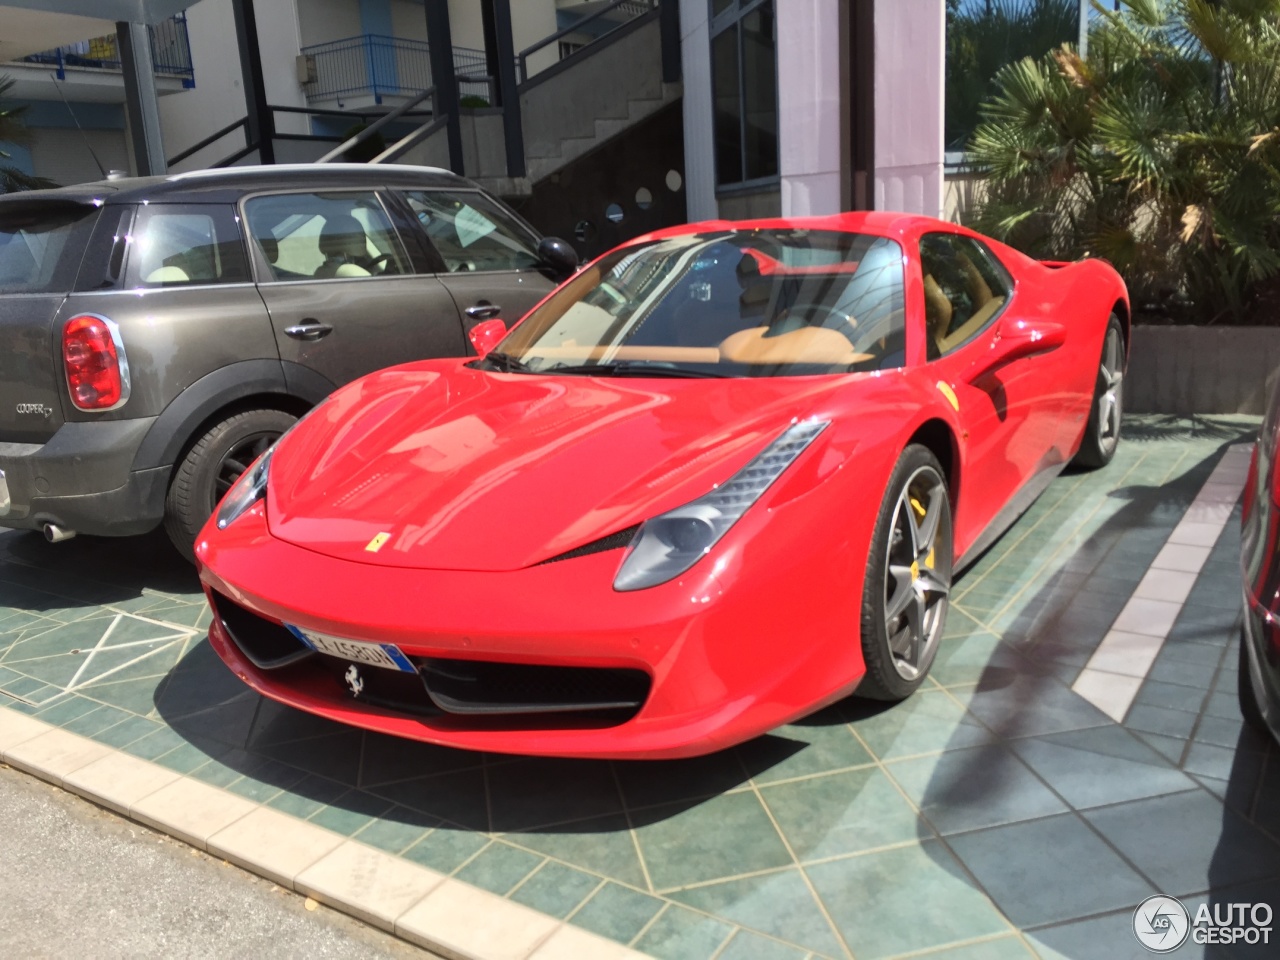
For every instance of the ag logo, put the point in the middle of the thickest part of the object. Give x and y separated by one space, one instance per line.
1161 924
354 681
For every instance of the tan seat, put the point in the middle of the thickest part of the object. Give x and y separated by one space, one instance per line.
804 345
938 312
971 326
167 275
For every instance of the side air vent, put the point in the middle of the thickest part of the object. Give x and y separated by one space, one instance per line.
268 645
615 541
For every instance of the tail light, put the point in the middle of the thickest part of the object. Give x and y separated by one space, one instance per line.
97 370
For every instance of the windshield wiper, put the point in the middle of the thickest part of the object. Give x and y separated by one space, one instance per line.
635 369
505 362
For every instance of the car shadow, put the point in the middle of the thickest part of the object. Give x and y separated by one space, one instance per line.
1066 819
412 782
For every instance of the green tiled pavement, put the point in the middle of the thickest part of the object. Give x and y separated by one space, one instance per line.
996 814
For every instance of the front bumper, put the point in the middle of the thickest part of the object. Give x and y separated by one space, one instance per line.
81 479
732 650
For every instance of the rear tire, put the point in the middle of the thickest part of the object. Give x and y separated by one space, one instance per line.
1249 707
1102 433
908 582
214 462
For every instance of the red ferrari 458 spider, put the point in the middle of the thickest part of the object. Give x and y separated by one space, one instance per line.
720 478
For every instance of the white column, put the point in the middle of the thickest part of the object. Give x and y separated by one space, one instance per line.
809 105
699 141
910 51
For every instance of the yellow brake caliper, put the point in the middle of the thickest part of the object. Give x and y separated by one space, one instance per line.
920 510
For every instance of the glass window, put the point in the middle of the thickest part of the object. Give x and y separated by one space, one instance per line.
965 288
42 244
762 303
325 236
186 245
471 232
745 91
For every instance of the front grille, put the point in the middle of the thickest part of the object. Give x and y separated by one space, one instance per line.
267 644
483 687
474 693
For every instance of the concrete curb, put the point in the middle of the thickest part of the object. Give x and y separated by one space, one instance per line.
446 916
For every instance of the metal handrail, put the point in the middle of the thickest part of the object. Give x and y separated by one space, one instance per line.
242 122
522 58
378 124
404 144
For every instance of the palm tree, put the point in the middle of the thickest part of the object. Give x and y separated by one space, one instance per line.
1161 152
13 130
983 36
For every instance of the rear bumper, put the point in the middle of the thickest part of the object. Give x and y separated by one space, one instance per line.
81 479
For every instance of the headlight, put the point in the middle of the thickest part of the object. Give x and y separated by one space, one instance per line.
245 492
668 545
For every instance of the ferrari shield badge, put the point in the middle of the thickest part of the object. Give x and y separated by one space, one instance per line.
355 683
944 388
376 544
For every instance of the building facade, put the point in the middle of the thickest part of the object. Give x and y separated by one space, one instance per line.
791 107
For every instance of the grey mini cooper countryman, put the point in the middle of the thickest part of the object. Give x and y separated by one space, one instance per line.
157 334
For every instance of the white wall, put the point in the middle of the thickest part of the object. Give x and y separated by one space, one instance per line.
320 21
218 98
910 45
409 19
699 142
809 99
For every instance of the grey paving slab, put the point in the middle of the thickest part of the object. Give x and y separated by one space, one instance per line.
967 821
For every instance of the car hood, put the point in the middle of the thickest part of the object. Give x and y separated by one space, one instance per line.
440 466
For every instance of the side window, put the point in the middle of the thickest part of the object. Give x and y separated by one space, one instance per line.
472 232
323 236
186 245
965 288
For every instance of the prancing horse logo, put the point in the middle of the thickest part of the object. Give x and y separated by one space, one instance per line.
353 680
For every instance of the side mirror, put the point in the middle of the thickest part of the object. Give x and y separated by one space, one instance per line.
558 256
1017 340
487 335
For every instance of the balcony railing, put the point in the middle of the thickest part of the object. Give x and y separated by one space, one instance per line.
170 53
378 66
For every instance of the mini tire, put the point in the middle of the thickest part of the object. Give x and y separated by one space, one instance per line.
211 465
1102 432
908 583
1250 709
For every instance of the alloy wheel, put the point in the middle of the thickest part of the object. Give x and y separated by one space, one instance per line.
918 572
237 461
1110 404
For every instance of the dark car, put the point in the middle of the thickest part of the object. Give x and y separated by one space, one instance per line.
156 334
1260 545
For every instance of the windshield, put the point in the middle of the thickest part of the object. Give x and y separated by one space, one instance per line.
757 303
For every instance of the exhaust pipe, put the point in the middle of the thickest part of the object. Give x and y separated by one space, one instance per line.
56 534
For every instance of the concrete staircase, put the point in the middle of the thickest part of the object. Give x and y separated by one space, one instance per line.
583 102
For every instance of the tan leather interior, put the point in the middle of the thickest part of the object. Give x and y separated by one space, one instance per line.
805 345
970 326
937 309
167 275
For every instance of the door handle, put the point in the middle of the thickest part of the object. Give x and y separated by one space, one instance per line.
483 311
309 330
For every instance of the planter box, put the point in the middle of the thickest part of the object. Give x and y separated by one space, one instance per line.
1202 369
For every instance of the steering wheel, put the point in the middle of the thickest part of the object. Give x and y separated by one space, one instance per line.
382 261
838 320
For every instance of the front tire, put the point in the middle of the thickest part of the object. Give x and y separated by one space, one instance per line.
1250 709
214 462
908 583
1102 434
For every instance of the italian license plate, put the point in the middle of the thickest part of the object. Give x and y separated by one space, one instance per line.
385 655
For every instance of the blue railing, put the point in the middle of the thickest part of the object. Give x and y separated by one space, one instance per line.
170 52
377 66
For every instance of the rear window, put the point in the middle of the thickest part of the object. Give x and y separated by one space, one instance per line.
42 244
